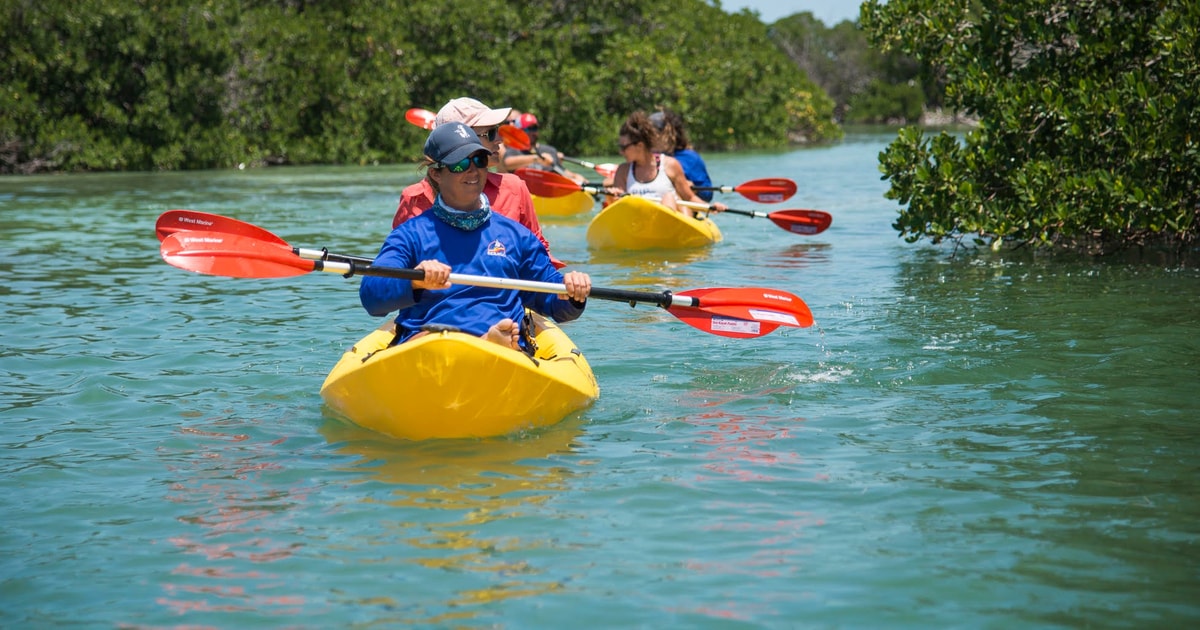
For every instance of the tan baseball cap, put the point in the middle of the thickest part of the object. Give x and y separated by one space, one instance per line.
470 112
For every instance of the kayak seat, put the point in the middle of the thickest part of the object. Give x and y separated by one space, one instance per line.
437 328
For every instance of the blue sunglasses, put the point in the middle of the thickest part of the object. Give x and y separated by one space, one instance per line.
480 160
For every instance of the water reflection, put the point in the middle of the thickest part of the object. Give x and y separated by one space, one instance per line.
752 469
742 446
798 256
649 260
1053 388
737 409
459 499
221 492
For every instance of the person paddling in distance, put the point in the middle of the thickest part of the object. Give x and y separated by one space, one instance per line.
650 174
506 193
542 157
674 138
512 159
461 232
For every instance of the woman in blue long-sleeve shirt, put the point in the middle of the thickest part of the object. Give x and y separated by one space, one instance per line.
677 145
460 233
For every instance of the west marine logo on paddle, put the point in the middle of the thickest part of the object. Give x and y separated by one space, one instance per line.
196 221
495 248
190 238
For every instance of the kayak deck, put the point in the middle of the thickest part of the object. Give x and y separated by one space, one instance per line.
565 206
456 385
638 223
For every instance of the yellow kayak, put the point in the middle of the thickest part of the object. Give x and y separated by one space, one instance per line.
456 385
639 223
565 206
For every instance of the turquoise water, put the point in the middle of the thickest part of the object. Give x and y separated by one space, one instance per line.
977 441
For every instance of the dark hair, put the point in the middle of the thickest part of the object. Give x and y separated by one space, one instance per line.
638 128
428 164
674 136
675 123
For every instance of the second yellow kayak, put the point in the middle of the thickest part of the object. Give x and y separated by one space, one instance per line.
638 223
565 206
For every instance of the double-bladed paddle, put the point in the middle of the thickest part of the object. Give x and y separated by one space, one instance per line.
516 138
173 221
765 190
422 118
796 220
242 253
607 169
808 222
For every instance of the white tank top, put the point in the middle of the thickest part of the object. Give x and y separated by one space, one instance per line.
657 187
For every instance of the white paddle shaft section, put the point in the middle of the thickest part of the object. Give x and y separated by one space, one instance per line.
320 254
665 299
704 206
455 278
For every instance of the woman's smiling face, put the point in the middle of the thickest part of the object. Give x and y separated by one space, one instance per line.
461 190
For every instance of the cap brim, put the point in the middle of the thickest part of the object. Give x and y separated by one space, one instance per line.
491 117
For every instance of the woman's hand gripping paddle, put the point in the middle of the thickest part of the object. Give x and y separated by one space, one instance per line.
519 140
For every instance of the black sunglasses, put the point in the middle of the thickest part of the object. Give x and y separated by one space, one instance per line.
480 160
491 133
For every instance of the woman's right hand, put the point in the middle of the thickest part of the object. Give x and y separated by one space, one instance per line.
437 275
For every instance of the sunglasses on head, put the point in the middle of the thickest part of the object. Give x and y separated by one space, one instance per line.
490 134
480 160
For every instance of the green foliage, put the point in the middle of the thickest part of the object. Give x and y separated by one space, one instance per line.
866 85
1088 113
100 85
883 102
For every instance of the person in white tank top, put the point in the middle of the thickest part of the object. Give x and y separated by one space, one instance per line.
650 174
659 186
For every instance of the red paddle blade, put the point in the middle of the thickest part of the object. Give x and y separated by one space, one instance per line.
515 138
722 325
606 169
422 118
766 306
173 221
547 183
231 255
802 221
769 190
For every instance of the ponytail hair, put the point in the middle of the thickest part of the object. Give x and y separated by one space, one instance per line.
674 128
638 128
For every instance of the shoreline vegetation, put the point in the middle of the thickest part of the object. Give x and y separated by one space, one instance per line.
92 85
98 86
1069 128
1086 141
